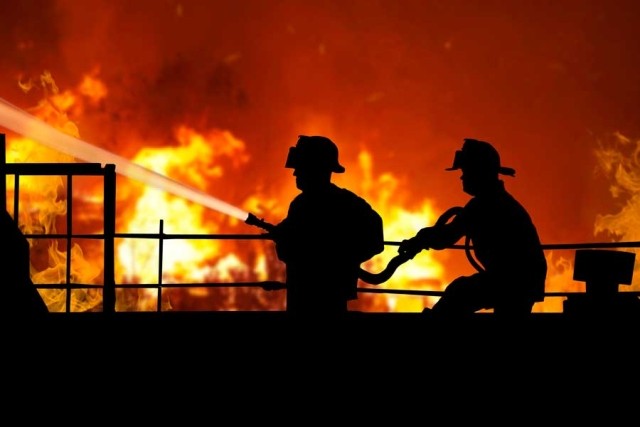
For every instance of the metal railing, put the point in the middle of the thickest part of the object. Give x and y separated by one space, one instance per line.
109 286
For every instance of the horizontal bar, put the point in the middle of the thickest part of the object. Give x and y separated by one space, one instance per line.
275 285
266 284
265 236
149 236
54 169
550 246
271 284
67 286
243 236
65 236
400 291
439 293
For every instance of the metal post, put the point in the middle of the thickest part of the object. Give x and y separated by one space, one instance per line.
69 240
109 291
3 172
16 197
160 251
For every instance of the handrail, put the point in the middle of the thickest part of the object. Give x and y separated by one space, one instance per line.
264 236
275 285
109 286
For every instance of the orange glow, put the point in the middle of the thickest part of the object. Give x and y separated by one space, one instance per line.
196 161
619 160
43 204
193 162
216 100
93 88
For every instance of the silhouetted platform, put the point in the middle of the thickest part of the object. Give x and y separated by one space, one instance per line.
361 333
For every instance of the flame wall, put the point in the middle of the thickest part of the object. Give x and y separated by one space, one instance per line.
549 83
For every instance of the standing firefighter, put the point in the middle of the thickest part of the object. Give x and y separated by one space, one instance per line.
512 268
328 232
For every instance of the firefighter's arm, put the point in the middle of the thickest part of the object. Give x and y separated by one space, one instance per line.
411 247
435 237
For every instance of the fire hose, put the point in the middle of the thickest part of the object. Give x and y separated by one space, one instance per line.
394 263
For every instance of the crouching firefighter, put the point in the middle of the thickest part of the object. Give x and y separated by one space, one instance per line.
327 233
508 255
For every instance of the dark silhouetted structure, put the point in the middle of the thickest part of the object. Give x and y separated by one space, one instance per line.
510 260
328 232
603 271
22 299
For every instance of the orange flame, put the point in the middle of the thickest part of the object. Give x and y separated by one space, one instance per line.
197 159
193 162
620 162
43 202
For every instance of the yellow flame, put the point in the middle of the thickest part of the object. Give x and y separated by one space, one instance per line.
195 161
620 161
43 203
82 271
424 272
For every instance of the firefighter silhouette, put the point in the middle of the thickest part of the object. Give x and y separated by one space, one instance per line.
506 248
22 299
327 233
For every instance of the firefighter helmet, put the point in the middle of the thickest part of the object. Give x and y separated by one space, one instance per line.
317 152
479 155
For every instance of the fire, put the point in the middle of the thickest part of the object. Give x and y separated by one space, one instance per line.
197 161
423 272
42 204
82 271
559 279
92 88
194 162
213 159
40 207
620 162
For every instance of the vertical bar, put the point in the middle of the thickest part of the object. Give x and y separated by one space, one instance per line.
16 197
69 241
109 288
160 249
3 171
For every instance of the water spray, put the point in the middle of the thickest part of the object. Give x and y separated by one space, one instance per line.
23 123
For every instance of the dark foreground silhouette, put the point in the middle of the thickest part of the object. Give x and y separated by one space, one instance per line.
327 234
510 260
22 299
601 318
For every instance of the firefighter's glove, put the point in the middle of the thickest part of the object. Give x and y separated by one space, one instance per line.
275 233
410 247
